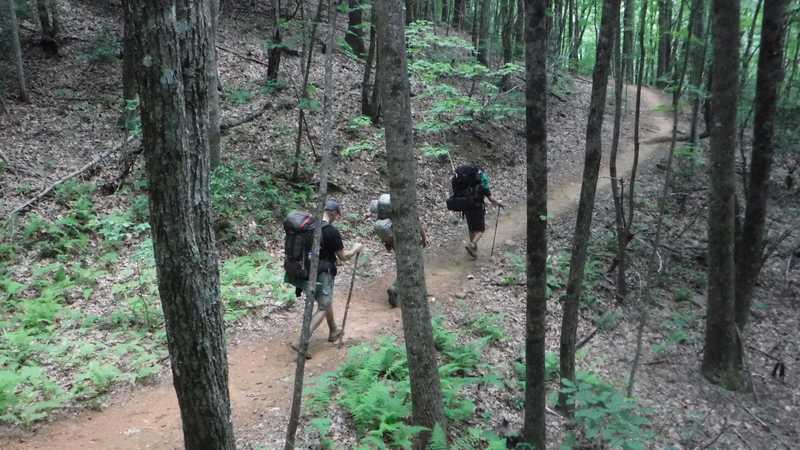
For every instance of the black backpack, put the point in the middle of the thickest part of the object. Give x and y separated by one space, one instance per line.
466 189
299 227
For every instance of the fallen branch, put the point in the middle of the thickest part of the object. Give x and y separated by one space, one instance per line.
69 176
586 340
252 116
716 438
245 57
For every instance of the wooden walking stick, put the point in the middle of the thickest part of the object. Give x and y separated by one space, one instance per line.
495 230
349 295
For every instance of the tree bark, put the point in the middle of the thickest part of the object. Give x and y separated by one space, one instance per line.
51 27
411 11
129 57
173 90
698 56
770 73
366 84
458 13
627 40
795 60
483 32
276 46
355 31
591 169
536 42
722 358
637 117
617 184
17 49
426 396
506 33
664 42
214 114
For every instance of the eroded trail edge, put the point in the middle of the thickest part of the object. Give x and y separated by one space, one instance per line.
261 372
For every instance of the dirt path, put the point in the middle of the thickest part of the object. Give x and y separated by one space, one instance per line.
261 373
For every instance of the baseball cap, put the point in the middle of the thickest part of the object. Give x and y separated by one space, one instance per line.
331 205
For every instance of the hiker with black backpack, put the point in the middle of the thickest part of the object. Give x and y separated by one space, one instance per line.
470 187
299 227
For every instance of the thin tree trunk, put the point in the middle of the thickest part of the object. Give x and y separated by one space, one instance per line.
129 76
14 33
506 33
301 115
569 325
355 31
519 28
698 55
627 40
533 431
676 34
458 14
327 151
411 11
770 74
617 184
475 21
276 46
175 137
51 27
636 120
664 41
748 51
445 11
795 60
483 33
722 357
366 85
426 395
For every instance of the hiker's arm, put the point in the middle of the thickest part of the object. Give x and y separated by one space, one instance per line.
345 255
423 237
493 201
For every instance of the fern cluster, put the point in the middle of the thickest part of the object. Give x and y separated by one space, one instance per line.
372 387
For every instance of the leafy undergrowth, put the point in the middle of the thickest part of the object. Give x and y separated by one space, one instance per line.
371 390
79 305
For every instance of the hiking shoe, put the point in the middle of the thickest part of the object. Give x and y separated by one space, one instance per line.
335 335
472 249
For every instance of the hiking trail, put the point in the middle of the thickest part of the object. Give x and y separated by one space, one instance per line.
261 372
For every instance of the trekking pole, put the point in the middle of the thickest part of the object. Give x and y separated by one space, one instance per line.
349 295
497 222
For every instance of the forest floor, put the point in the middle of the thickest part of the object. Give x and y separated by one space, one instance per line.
73 120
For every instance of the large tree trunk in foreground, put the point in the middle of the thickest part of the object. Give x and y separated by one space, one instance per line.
533 431
591 169
426 395
173 90
722 357
770 74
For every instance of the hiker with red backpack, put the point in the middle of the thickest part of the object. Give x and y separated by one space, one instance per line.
299 227
470 187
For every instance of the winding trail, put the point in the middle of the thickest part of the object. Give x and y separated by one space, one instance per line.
261 372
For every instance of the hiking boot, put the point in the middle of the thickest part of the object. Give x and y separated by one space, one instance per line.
472 249
335 335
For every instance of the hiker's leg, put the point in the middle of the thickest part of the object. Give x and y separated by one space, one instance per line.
475 236
325 301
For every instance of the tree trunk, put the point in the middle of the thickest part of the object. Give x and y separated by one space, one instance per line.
722 358
770 73
426 396
129 76
355 30
459 7
617 184
748 50
483 33
411 11
698 57
677 35
308 47
533 431
795 60
51 27
627 40
591 169
366 85
475 21
310 294
14 34
214 134
276 46
519 29
664 42
445 11
637 117
506 34
173 90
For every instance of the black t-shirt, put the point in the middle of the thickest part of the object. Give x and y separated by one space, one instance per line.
330 244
